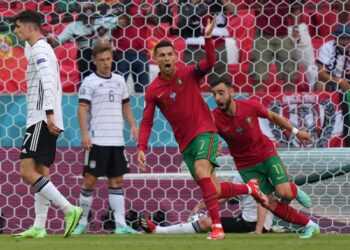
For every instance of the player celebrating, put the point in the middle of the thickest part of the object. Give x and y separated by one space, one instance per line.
255 155
44 124
176 92
253 218
105 95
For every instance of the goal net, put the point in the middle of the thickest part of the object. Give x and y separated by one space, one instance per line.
166 191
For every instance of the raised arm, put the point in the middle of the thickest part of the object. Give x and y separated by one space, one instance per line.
206 64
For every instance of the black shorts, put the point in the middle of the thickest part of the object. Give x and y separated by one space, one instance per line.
237 225
39 144
110 161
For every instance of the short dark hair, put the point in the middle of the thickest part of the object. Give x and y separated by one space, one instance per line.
162 44
29 16
220 80
101 47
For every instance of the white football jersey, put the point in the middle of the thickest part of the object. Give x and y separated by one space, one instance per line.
249 207
43 84
106 96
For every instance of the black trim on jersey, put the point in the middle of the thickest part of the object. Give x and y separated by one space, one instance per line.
126 100
39 104
198 71
104 76
84 101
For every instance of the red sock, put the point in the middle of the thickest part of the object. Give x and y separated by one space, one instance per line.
289 214
294 189
210 197
229 189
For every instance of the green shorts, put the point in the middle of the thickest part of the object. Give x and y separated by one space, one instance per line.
269 173
204 146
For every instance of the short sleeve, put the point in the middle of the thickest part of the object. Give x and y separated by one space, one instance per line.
260 110
85 91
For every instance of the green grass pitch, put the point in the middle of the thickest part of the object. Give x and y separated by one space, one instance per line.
180 241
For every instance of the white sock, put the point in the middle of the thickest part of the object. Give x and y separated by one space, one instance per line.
85 202
117 203
41 207
311 223
176 229
50 192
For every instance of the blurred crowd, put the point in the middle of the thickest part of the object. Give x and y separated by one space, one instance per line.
291 42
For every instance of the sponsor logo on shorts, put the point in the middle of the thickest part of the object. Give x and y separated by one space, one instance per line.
92 164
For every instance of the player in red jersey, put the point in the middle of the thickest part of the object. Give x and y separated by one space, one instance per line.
255 155
177 93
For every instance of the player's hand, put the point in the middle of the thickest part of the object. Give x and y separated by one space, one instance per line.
51 125
196 209
141 158
86 141
304 137
210 26
134 134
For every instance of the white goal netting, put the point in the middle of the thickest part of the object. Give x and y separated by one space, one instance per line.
291 85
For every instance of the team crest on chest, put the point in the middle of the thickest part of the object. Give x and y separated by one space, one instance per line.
249 121
239 130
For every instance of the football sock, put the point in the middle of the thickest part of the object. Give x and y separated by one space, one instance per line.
117 203
289 214
85 202
311 223
210 198
294 189
41 207
229 189
176 229
50 192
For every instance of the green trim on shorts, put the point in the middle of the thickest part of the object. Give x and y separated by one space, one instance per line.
204 146
269 173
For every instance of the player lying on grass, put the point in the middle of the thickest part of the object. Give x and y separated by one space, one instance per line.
255 155
253 218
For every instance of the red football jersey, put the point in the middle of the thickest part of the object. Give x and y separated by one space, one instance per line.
247 144
180 101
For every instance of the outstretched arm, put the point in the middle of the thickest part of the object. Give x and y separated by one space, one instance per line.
303 136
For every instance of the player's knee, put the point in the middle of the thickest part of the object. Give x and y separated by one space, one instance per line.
89 182
26 169
202 168
116 182
285 194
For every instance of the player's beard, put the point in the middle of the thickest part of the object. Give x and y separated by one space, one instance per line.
226 105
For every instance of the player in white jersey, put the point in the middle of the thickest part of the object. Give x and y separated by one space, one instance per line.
253 218
44 124
103 96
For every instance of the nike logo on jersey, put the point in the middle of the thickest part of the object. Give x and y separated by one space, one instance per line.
226 129
161 94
